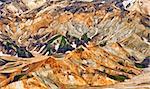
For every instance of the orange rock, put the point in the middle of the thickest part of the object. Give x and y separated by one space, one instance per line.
84 18
13 26
46 20
1 25
65 17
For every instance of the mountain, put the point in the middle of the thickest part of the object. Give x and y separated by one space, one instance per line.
74 44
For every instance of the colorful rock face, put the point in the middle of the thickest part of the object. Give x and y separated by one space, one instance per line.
71 43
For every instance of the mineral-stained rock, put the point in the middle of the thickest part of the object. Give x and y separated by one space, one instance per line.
72 43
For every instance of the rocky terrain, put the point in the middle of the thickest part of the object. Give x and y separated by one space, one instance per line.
79 44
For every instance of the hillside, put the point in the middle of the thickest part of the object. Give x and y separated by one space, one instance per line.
79 44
